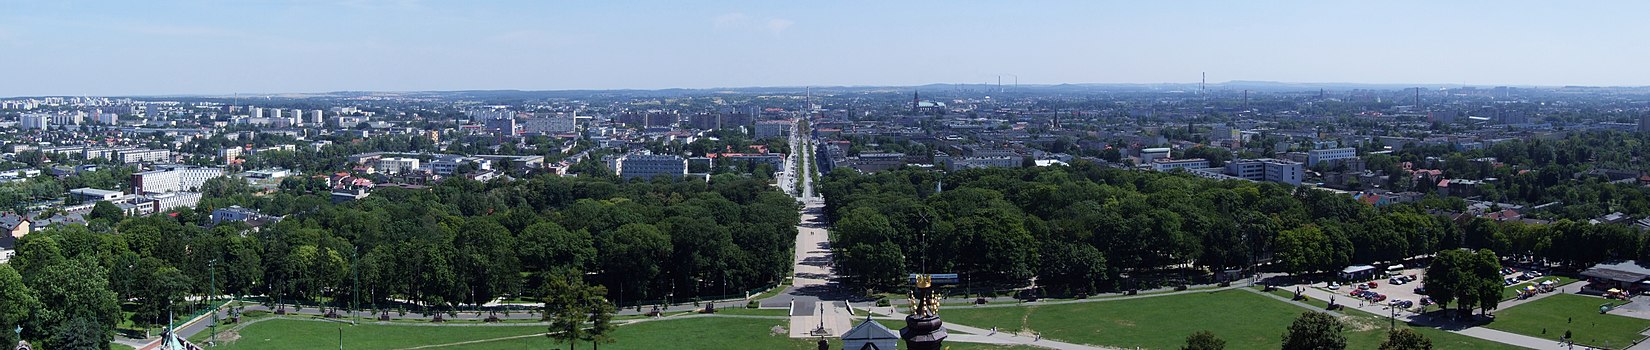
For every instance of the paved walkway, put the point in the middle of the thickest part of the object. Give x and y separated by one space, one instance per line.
813 296
1418 320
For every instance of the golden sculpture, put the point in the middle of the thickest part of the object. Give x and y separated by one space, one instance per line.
922 299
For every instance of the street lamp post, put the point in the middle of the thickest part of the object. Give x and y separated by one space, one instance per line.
1392 316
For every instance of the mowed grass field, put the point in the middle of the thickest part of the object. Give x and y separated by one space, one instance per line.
691 333
1244 319
305 334
1575 313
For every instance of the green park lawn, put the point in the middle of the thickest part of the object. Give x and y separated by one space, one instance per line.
685 333
304 334
1575 313
1511 291
1245 320
741 310
709 333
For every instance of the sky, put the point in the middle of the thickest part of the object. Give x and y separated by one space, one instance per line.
156 47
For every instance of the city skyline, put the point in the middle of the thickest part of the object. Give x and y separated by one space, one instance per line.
193 47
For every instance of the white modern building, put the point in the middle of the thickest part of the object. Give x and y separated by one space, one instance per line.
134 156
1172 164
93 194
1313 157
1267 169
173 179
397 165
168 201
647 166
449 166
1147 155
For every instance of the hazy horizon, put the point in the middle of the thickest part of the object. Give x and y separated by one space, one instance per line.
190 47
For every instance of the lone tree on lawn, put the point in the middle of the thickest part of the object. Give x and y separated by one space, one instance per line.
1406 339
569 303
1315 331
1203 340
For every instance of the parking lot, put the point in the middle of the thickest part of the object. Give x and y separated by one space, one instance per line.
1405 291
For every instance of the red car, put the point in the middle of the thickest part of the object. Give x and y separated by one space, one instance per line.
1380 297
1373 285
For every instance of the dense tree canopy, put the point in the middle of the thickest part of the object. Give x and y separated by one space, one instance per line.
459 243
1080 228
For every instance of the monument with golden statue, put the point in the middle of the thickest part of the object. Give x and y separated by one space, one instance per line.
923 328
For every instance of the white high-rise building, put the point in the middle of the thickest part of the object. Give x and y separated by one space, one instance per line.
107 118
68 119
34 121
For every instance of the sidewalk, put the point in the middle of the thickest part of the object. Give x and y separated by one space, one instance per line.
1411 319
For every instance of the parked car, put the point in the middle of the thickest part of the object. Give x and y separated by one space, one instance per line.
1373 285
1420 290
1379 297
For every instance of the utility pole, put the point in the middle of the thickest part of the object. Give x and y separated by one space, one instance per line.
212 266
355 295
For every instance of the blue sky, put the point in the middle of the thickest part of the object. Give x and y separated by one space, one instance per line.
219 47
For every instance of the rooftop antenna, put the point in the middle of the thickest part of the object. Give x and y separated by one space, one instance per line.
1203 86
999 84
